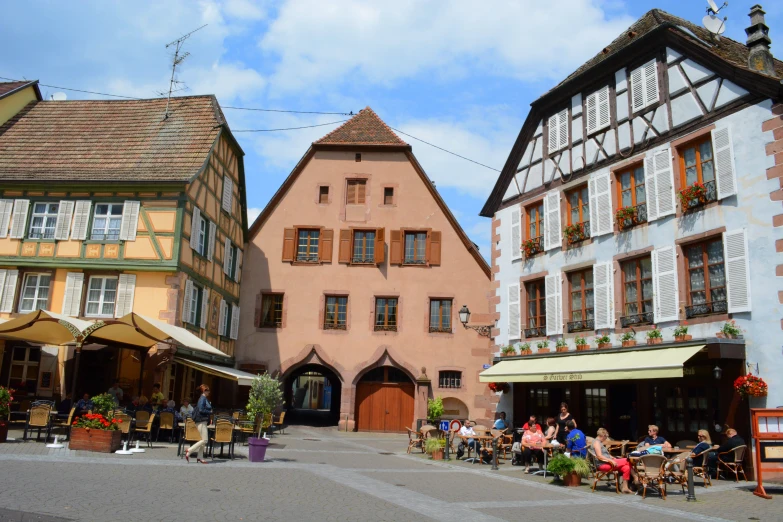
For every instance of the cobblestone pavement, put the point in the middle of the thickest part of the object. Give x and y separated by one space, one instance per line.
322 474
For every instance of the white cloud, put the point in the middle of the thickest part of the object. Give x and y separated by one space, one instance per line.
245 9
252 214
388 41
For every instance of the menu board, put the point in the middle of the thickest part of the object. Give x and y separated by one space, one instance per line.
770 424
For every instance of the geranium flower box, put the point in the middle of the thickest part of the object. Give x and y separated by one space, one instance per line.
101 441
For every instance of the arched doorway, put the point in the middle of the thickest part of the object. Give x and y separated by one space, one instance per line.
384 400
312 395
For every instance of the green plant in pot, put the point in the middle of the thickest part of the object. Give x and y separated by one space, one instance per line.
525 349
434 409
434 446
103 403
508 351
570 470
266 394
6 396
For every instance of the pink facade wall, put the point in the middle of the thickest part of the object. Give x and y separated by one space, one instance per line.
352 352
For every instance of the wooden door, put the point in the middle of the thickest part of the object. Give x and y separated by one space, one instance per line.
399 404
384 406
370 410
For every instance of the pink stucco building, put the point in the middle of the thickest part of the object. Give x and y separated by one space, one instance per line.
353 277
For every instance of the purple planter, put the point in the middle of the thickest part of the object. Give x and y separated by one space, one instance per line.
257 448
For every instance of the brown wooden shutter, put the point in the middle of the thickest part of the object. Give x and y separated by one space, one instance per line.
350 198
379 244
345 246
434 248
289 244
256 316
325 247
395 247
360 191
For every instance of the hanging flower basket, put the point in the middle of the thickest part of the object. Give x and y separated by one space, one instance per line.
750 386
498 387
694 193
626 217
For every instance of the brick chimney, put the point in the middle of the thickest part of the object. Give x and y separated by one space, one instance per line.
760 57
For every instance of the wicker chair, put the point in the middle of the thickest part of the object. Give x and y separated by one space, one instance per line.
191 434
414 438
651 470
247 429
700 468
731 461
610 477
38 418
675 470
146 430
166 423
224 434
142 418
64 424
279 423
125 425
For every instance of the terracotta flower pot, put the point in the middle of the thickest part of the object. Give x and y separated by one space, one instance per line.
572 479
507 354
562 348
543 350
525 352
582 347
101 441
3 430
604 345
437 454
628 344
654 340
682 338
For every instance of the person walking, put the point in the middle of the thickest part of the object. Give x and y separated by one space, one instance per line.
201 414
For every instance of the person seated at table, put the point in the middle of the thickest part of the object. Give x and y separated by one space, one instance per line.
64 408
608 463
186 410
704 443
467 431
551 429
531 422
733 440
576 442
144 405
134 405
84 404
116 392
653 439
500 422
533 442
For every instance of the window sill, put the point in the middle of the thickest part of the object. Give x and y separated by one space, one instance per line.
38 240
102 242
440 331
306 263
269 326
385 329
450 387
422 264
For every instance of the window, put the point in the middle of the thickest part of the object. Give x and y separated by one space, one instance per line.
44 220
440 315
231 252
35 292
697 165
578 201
355 192
632 195
415 248
202 228
644 85
101 296
535 220
323 194
581 300
597 109
558 131
196 298
536 309
336 312
271 311
225 327
385 314
307 247
706 279
637 292
449 379
363 247
106 222
23 376
388 196
358 157
596 407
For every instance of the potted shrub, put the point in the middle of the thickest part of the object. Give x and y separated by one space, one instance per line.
628 339
434 410
6 396
434 447
508 351
681 333
97 431
570 470
561 345
654 336
581 344
525 349
543 346
265 395
730 330
604 341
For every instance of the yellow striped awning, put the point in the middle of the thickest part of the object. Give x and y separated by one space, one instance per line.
594 366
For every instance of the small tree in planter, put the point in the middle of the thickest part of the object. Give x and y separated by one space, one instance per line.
103 403
561 345
628 339
434 410
434 447
604 341
525 349
543 346
508 351
570 470
581 344
265 395
654 336
6 396
681 333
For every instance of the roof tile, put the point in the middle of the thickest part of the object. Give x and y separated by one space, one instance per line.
366 128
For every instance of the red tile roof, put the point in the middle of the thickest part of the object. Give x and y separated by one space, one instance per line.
366 128
109 140
9 87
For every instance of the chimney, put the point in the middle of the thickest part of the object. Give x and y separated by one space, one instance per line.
760 58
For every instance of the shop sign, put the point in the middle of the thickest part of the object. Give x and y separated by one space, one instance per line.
559 377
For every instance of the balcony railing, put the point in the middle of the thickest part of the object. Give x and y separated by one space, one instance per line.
439 329
636 319
537 331
413 261
638 216
385 327
710 195
581 326
307 258
533 246
715 307
577 232
334 326
359 260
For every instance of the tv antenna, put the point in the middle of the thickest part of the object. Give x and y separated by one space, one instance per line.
711 22
178 59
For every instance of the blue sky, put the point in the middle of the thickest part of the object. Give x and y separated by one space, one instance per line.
458 74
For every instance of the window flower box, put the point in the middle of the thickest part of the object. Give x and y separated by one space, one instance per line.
682 338
577 232
630 343
533 246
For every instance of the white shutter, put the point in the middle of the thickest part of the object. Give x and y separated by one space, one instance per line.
81 219
130 220
126 288
644 85
597 105
554 129
19 218
603 281
516 233
665 295
234 321
186 304
6 208
723 155
649 187
553 291
195 227
558 131
239 266
735 248
64 216
3 275
72 301
228 193
204 307
599 186
9 291
514 310
664 183
211 241
552 230
223 317
226 261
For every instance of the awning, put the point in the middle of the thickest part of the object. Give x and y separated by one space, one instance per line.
242 378
45 327
640 364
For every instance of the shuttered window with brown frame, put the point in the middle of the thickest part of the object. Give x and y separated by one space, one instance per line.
355 191
362 246
307 245
271 314
415 247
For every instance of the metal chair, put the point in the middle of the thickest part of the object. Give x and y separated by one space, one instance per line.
125 425
191 434
610 477
146 430
21 413
224 434
38 418
278 424
142 418
166 422
651 470
731 461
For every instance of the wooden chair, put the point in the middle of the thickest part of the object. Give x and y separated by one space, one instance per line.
651 470
38 418
610 477
224 434
505 444
146 430
191 434
247 429
166 423
125 425
414 438
279 423
142 418
64 425
700 468
731 461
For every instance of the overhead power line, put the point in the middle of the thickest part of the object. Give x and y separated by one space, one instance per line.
289 128
283 110
444 150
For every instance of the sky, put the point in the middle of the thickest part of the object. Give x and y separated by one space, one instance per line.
458 74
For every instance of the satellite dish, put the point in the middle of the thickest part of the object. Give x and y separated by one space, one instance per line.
713 6
59 96
714 24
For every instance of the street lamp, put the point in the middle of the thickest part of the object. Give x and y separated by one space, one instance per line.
717 372
464 317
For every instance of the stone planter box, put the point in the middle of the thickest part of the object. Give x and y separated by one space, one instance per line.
628 344
656 340
101 441
582 347
604 345
562 348
682 338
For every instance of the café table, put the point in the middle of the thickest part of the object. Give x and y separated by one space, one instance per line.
617 445
480 439
548 450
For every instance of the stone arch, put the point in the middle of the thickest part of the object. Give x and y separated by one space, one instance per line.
313 354
384 355
320 370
